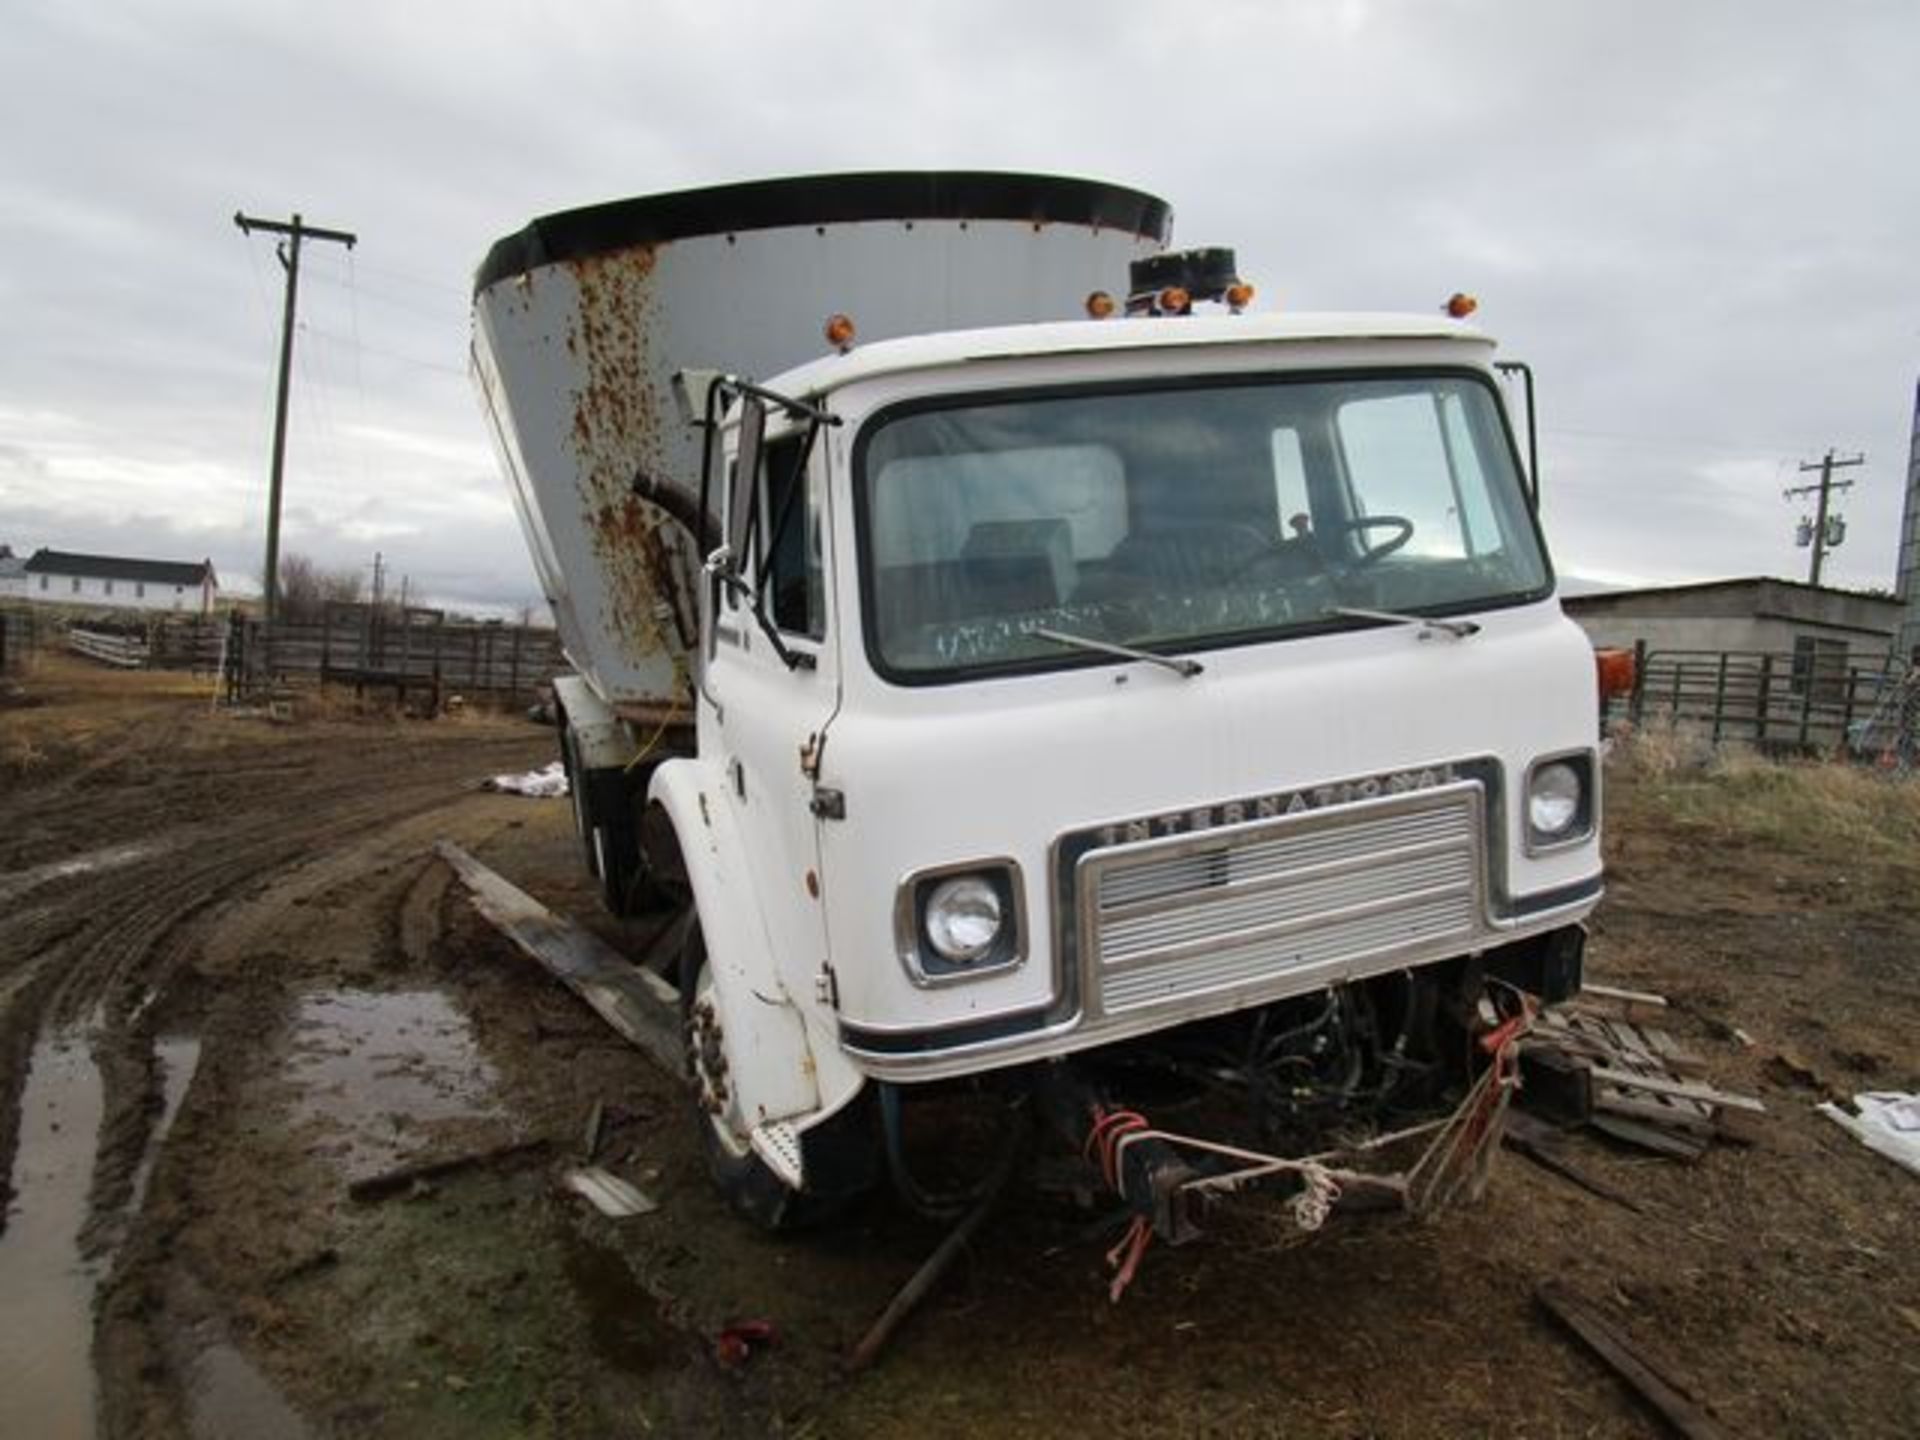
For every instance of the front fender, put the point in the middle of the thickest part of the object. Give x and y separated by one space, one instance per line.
769 1061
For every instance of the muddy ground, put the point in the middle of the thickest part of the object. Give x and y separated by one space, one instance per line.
257 985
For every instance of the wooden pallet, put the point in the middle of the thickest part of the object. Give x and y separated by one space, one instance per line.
1642 1086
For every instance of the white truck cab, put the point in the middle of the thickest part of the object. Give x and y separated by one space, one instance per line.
1144 690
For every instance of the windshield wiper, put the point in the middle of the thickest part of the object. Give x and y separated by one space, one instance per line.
1180 665
1458 629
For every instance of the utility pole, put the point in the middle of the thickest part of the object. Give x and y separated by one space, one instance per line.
376 580
289 251
1826 465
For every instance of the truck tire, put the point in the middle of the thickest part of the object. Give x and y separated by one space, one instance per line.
745 1182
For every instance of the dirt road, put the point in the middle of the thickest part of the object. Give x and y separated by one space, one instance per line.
232 979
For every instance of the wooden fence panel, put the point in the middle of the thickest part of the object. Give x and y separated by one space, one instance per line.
416 649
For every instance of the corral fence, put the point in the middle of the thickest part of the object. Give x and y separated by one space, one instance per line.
406 651
1812 699
414 653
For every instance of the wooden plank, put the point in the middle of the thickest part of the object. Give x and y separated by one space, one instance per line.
388 1182
1647 1048
1625 997
1656 1138
1655 1109
1659 1391
1678 1057
1679 1089
637 1003
1529 1136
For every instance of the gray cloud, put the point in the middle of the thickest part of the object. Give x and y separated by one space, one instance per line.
1694 220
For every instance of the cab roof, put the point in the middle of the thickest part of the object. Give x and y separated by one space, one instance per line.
1086 337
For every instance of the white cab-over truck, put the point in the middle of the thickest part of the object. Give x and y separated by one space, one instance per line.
1018 665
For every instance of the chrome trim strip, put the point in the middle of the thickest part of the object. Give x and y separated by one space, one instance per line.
1461 802
1140 909
1276 930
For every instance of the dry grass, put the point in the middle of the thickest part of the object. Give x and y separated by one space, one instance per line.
1829 809
20 754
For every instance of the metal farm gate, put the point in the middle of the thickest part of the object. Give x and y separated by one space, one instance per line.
1806 700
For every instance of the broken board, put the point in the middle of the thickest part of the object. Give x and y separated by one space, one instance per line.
637 1003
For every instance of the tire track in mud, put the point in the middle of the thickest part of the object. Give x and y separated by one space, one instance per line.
381 889
112 961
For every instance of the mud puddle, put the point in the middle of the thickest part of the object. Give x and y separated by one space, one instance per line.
227 1397
46 1285
46 1289
381 1074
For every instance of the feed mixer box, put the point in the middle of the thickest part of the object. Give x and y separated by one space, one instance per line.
582 319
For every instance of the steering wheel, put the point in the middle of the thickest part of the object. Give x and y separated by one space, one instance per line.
1308 546
1373 554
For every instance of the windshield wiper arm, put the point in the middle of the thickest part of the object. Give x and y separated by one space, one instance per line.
1458 629
1180 665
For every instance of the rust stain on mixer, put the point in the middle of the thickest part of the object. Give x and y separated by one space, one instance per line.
619 431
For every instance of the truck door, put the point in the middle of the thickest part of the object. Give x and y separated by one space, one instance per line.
775 709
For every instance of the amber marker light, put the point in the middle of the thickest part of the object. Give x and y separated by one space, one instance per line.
1460 305
839 332
1175 301
1616 672
1239 296
1099 305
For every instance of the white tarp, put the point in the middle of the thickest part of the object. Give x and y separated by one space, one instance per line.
1889 1121
540 784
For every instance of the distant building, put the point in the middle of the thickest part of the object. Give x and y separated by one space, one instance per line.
101 582
13 575
1824 630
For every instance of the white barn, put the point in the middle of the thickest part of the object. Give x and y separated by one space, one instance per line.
13 575
99 582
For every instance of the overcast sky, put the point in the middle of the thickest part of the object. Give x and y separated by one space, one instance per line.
1699 221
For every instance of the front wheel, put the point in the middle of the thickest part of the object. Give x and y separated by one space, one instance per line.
744 1180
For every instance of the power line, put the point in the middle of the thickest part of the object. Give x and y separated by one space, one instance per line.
295 232
334 337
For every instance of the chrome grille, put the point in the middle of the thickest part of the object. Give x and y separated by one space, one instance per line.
1243 907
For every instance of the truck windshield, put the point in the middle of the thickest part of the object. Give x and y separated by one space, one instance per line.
1185 517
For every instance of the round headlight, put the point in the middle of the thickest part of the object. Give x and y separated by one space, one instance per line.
963 919
1553 799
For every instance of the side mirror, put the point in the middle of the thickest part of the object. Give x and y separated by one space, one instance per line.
746 478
